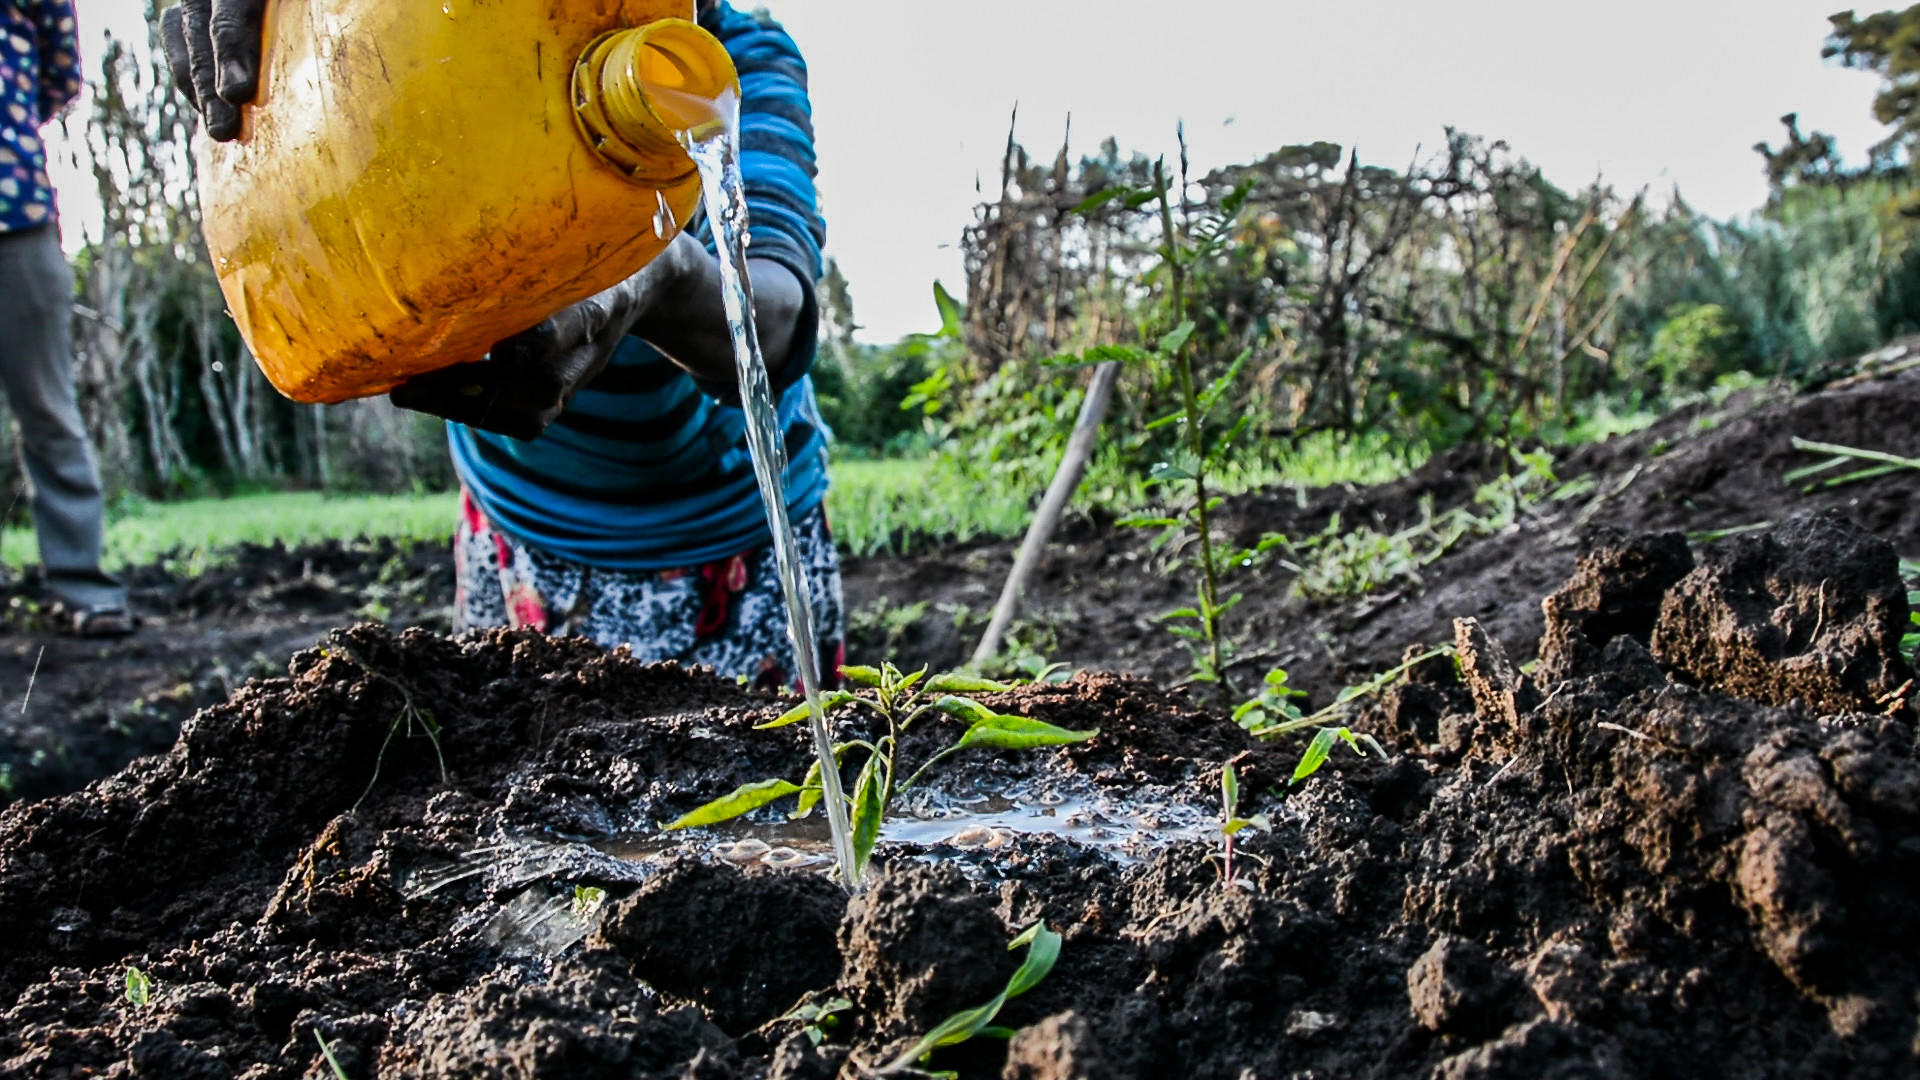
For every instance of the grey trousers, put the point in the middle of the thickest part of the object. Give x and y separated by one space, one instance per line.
36 365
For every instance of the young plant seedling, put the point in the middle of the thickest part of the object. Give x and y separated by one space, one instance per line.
139 988
587 900
1232 824
817 1018
1322 746
898 700
1043 949
1273 713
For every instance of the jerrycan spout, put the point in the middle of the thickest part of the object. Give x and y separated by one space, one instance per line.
640 93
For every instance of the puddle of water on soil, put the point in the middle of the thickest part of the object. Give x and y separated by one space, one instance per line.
536 916
1124 832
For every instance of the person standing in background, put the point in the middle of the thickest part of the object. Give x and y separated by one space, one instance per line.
39 75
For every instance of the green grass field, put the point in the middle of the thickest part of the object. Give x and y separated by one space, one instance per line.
886 506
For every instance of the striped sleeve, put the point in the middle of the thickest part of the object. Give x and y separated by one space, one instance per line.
777 164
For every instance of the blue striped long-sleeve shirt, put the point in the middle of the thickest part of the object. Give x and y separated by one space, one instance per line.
644 470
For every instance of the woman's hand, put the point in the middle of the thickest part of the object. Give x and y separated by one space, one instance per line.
527 380
213 49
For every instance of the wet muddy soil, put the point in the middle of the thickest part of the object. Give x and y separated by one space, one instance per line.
1656 819
1671 845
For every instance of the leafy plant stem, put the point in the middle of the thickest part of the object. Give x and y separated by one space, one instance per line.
1196 442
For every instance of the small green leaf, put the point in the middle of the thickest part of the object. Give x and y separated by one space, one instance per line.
1020 733
810 787
952 318
869 807
1041 955
139 988
1232 201
954 683
1026 937
1101 198
1229 787
1164 471
1146 522
1043 950
964 708
861 674
587 899
906 682
744 799
1218 388
1116 354
1316 755
830 700
1175 339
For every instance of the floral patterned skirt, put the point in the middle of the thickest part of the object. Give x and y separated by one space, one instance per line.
728 614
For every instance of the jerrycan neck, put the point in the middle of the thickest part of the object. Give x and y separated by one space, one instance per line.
640 93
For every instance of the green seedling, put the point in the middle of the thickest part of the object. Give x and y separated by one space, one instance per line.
139 988
1232 824
587 900
333 1063
1273 713
1043 949
1322 746
816 1019
898 700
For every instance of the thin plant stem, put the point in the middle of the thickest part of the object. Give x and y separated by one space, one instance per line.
1196 442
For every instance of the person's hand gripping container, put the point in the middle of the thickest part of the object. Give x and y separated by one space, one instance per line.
414 182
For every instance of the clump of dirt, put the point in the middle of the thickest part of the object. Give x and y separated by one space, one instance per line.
1607 864
1813 611
744 948
920 946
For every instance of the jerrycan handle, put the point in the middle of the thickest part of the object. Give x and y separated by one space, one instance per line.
637 92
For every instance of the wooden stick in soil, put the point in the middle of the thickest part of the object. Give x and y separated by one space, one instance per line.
1066 480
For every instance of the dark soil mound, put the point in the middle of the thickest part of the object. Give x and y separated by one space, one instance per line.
93 706
1652 854
1098 599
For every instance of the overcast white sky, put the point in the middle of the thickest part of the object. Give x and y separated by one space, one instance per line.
911 99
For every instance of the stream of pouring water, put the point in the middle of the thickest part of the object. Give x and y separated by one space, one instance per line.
714 149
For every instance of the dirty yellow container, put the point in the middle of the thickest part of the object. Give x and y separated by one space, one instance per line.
420 179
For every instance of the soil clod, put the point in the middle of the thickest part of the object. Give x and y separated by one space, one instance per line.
1813 611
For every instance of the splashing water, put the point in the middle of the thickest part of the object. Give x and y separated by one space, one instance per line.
714 149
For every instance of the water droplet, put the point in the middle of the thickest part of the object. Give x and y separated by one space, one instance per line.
663 220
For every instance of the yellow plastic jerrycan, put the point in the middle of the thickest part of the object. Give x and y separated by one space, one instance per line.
420 179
